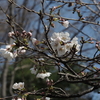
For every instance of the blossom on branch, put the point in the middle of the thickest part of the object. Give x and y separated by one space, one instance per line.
33 70
43 75
18 86
60 37
65 24
10 52
10 34
35 41
61 43
61 50
7 54
21 50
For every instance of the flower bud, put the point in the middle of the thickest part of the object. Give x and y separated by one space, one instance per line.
34 40
11 34
29 34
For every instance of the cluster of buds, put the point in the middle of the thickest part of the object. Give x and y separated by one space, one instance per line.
20 38
90 40
17 34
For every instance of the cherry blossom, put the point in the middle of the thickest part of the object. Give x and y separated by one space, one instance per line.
43 75
18 86
16 99
33 70
47 98
65 23
21 50
15 86
61 43
61 50
7 54
34 40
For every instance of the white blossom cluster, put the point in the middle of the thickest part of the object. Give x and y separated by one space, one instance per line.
5 52
8 52
61 43
41 75
18 86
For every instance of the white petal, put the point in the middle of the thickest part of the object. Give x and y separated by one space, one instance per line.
61 50
33 70
43 75
65 23
15 86
20 85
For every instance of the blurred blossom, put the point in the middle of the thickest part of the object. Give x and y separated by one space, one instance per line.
60 37
30 34
41 59
7 54
47 98
18 86
61 50
21 50
34 40
43 75
17 99
33 70
55 43
11 34
8 47
15 86
10 52
65 24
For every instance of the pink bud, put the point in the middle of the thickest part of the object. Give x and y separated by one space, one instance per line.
11 34
30 34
